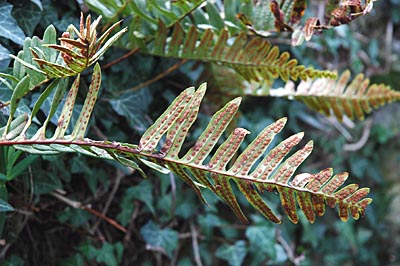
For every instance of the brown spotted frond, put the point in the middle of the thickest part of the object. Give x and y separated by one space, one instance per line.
251 169
254 58
284 15
343 96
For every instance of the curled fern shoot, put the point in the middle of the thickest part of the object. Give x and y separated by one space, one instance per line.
78 50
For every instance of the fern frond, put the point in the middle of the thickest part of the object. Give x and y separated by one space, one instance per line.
72 56
253 58
253 171
176 11
343 96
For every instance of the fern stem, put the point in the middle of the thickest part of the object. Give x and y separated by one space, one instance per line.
119 59
156 78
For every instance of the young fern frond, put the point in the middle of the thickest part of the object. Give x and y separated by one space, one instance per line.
343 96
73 55
252 171
254 58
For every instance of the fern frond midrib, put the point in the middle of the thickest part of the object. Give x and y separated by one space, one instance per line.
272 65
121 148
346 97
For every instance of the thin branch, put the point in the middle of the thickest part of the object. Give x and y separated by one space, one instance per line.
156 78
4 104
195 244
105 218
339 127
388 45
173 193
114 190
72 203
362 141
296 260
79 205
131 225
119 59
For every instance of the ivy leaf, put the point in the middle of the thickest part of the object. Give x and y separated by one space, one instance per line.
45 183
38 4
165 239
5 207
4 57
106 254
107 9
233 254
262 238
28 15
8 25
143 192
133 106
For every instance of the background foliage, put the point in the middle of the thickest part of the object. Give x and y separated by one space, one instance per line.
166 224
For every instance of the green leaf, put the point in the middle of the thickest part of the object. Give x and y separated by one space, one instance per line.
20 90
142 192
233 254
166 239
133 106
8 26
262 239
45 183
5 207
4 57
38 3
106 8
28 15
21 166
106 255
76 217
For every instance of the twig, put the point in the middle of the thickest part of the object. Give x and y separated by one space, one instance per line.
156 78
31 183
79 205
4 104
114 190
195 245
362 141
131 225
119 59
105 218
388 45
4 250
173 193
339 127
289 250
72 203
